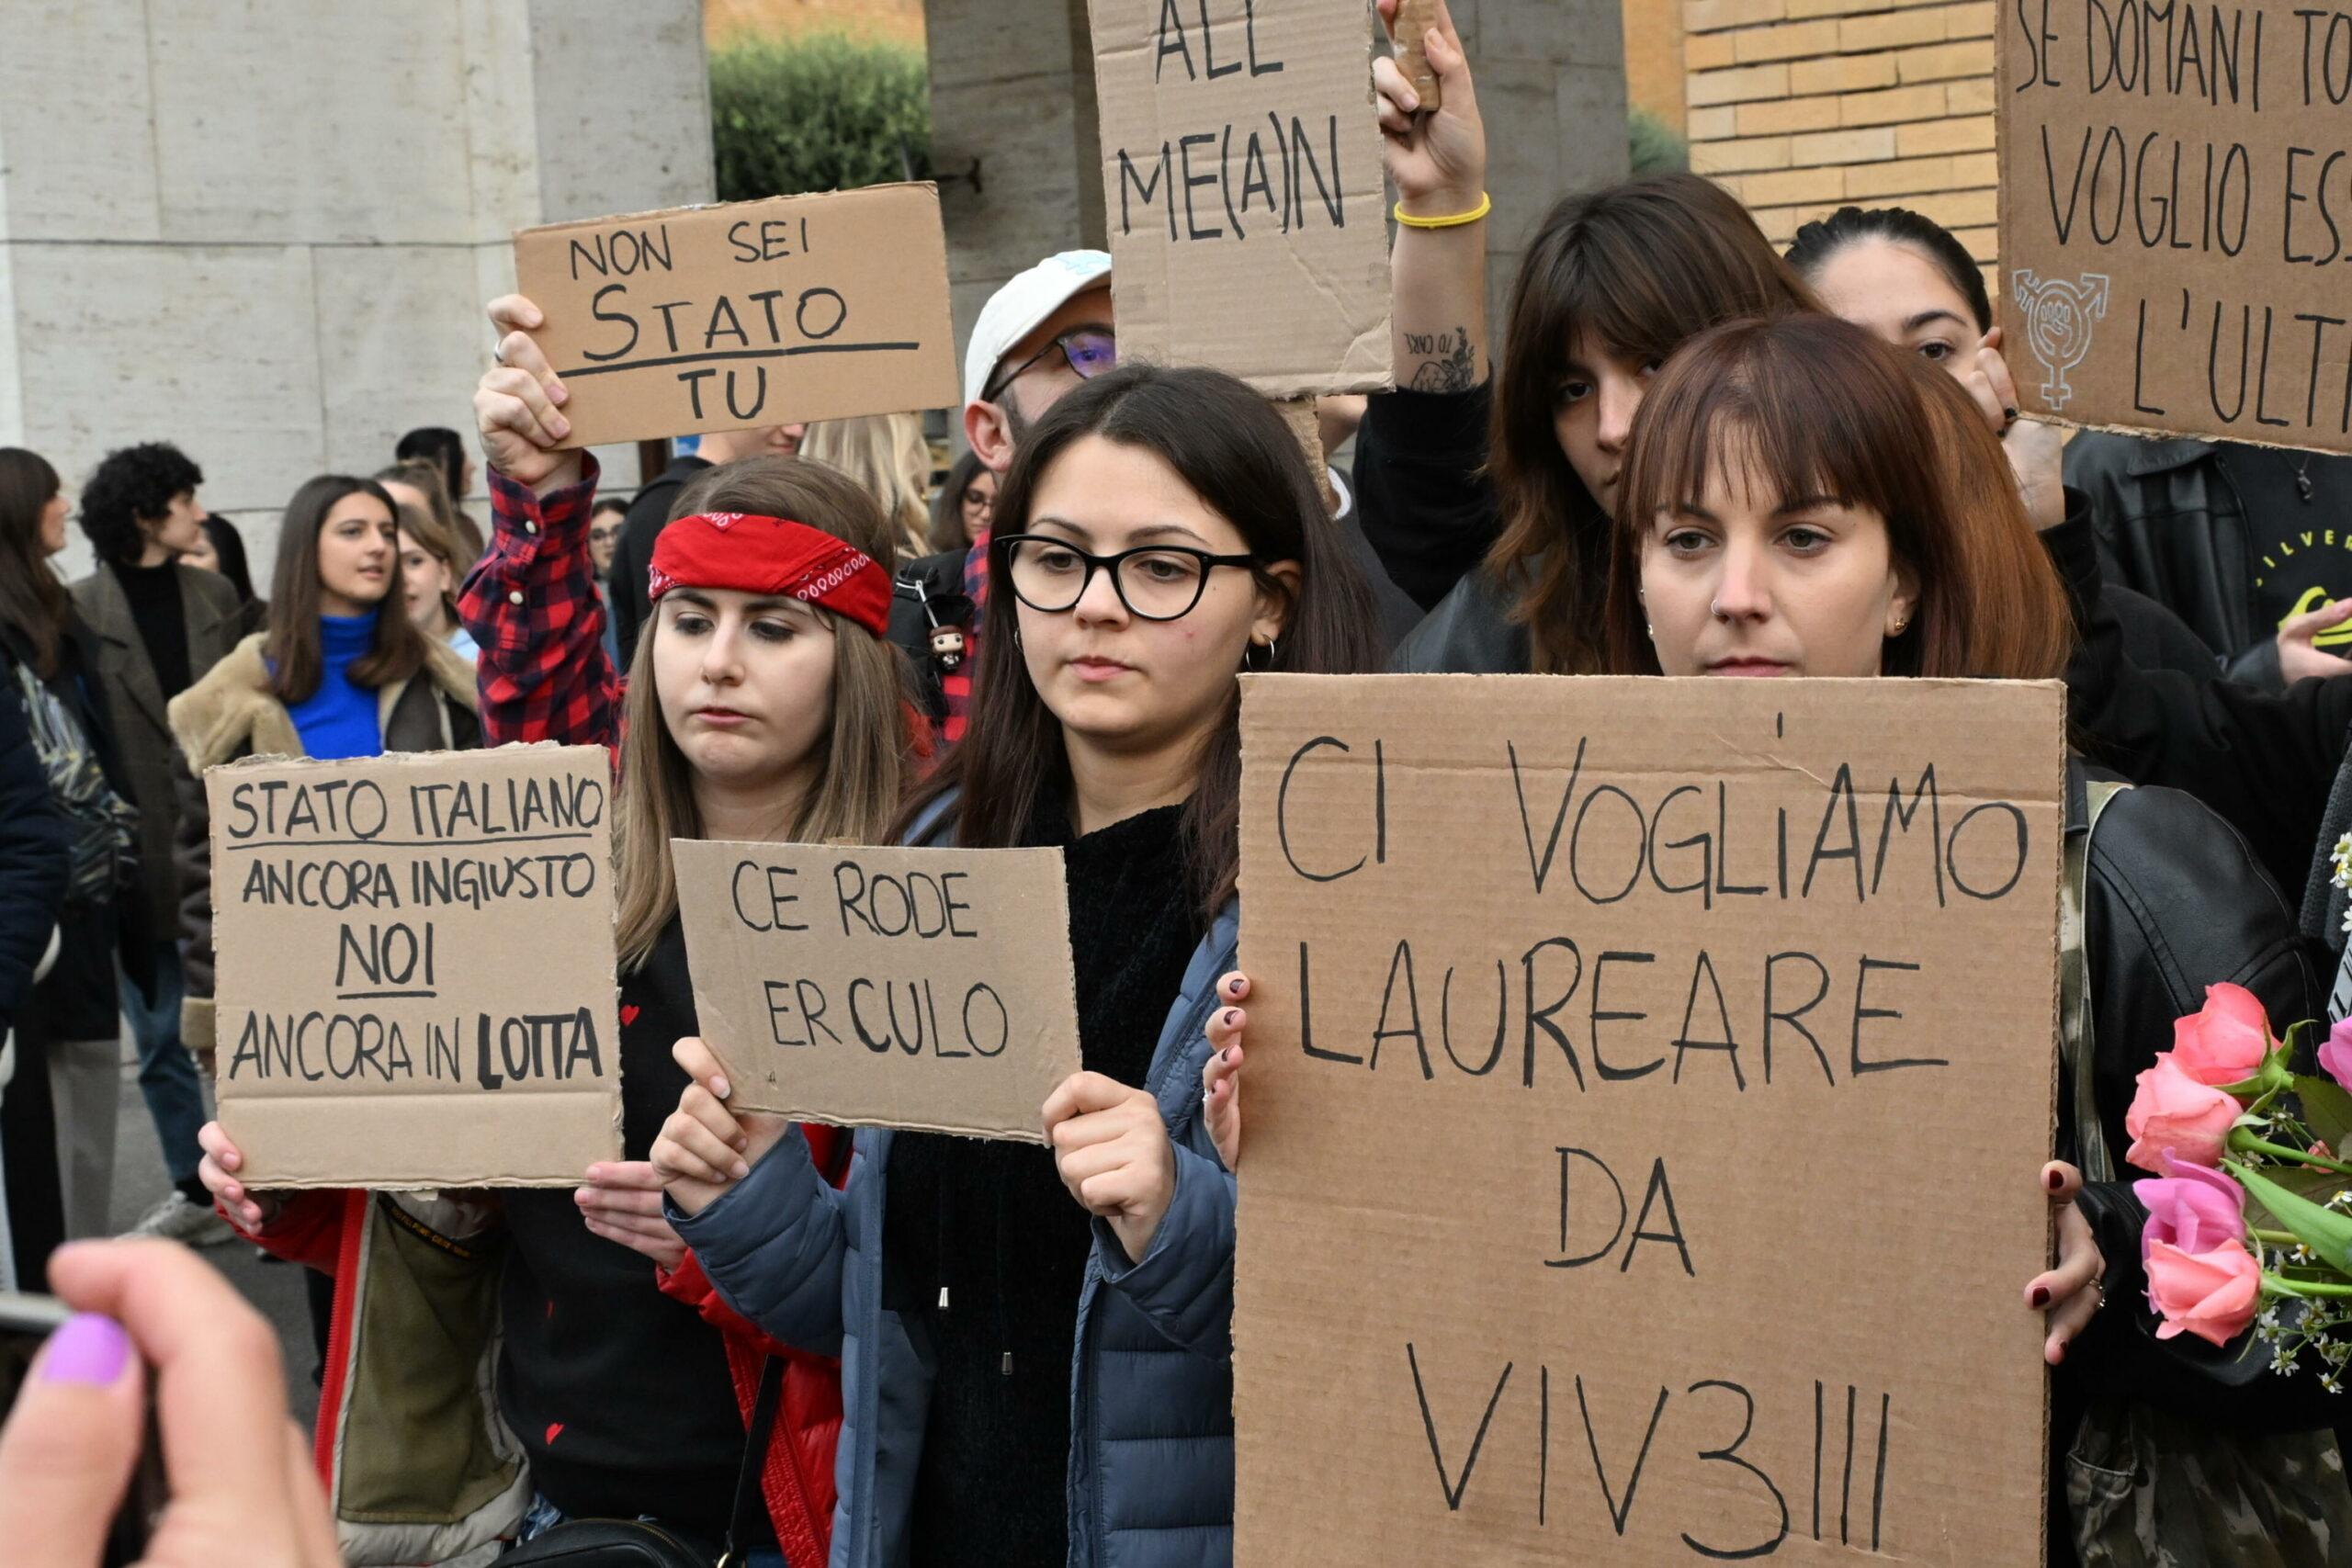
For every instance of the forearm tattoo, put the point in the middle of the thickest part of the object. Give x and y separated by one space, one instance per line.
1448 363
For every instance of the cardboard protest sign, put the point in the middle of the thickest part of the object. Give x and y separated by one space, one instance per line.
756 313
884 986
1648 1083
414 966
2177 217
1242 188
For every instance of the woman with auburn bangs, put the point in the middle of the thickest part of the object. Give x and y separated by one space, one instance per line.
1008 1351
762 704
1776 520
1613 283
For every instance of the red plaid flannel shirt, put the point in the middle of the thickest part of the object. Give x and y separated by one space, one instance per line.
531 603
956 686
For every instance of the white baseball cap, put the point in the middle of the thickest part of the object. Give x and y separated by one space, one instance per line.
1016 310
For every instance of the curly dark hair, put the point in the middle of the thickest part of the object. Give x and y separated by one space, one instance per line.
129 483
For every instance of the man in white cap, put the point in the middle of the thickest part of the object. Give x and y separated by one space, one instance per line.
1038 336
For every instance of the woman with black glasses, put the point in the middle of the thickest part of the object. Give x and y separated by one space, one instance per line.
1033 1379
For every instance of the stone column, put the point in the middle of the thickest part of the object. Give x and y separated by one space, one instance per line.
1014 139
265 234
1551 81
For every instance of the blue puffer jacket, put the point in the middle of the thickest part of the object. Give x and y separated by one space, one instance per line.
1151 1381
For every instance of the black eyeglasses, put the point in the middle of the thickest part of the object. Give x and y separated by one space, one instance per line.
1155 582
1090 350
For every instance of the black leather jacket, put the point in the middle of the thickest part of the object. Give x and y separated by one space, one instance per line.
2174 902
2173 525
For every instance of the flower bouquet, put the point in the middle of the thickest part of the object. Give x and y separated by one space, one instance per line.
2250 1211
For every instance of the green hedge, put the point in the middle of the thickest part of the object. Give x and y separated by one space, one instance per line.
1655 145
817 112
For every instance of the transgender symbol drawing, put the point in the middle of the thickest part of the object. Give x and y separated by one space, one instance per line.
2058 317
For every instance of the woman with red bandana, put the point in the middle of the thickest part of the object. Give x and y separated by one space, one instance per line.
762 704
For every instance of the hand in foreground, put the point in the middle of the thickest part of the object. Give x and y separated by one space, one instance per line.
2298 658
1112 1152
517 402
1221 1074
2071 1293
254 1211
1438 162
705 1148
622 1202
2036 450
241 1487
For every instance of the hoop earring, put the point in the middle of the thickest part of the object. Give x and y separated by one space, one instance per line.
1273 650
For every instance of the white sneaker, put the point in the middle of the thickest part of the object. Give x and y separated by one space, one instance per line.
173 1218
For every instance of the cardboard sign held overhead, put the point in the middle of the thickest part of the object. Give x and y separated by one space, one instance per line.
1414 20
1648 1082
1242 188
415 966
759 312
884 986
2176 217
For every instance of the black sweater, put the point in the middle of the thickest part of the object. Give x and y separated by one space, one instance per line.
988 1229
620 1394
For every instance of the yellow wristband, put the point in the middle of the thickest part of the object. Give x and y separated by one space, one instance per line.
1486 205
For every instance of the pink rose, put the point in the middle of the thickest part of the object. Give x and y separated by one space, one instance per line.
2173 1115
2211 1294
2225 1041
2335 1056
2193 1209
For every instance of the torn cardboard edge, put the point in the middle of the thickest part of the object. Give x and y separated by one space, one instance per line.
909 1125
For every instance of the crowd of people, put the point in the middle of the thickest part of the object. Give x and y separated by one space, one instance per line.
1689 455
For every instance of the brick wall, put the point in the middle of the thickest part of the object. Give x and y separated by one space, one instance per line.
1799 107
1655 71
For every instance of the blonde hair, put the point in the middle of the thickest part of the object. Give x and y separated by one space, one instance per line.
887 455
864 763
424 477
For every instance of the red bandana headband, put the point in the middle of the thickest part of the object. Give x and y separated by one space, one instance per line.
753 554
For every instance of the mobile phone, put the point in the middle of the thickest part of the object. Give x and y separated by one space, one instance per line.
25 1321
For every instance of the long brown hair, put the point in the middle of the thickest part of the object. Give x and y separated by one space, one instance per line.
1821 407
292 643
1237 456
33 604
1640 267
865 750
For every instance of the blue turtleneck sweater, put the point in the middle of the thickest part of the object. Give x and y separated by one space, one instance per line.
339 718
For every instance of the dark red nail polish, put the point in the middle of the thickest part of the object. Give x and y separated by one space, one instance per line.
1232 1016
2055 1181
2041 1295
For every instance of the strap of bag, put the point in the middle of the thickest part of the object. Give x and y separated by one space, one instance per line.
743 1522
2076 1036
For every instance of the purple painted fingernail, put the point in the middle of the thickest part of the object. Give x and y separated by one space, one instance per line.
88 1349
1232 1016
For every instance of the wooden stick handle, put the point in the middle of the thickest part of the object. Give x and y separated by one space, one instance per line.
1414 20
